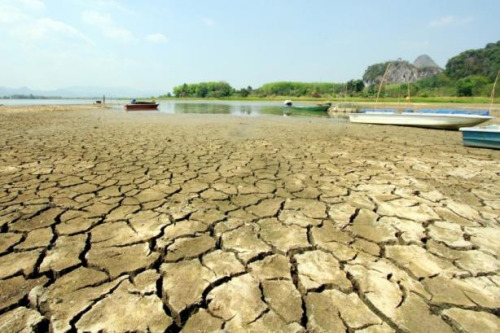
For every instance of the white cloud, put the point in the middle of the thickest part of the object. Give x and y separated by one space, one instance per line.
208 22
25 26
107 25
450 20
45 28
36 5
157 38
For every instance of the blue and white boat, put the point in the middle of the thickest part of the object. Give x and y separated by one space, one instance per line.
442 118
482 136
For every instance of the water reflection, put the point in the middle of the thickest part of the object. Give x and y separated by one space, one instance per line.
237 108
208 108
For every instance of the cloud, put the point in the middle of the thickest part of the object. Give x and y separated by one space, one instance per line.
45 28
208 22
450 20
25 26
157 38
36 5
106 24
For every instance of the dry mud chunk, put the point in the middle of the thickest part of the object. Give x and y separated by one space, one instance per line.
126 311
473 321
238 300
341 214
223 263
293 217
410 231
44 219
420 262
464 292
146 281
208 217
310 208
245 242
18 262
73 293
284 299
179 229
149 195
409 312
7 240
449 233
366 225
327 311
268 322
488 239
119 260
202 322
284 238
36 239
15 289
21 320
317 268
266 208
184 283
271 267
420 213
477 262
122 212
189 247
64 254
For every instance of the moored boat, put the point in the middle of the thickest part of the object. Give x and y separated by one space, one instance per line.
481 136
443 119
141 106
321 107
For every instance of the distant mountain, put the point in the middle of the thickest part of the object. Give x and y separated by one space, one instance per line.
423 61
401 71
80 92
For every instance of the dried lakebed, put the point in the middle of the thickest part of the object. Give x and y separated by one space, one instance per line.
148 222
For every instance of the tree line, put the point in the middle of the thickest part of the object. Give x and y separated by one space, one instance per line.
471 73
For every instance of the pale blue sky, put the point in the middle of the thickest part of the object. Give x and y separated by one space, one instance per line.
155 45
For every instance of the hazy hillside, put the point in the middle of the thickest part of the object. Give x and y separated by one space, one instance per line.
80 92
401 71
484 62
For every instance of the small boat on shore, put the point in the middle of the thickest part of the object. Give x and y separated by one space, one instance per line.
141 106
320 107
443 119
481 136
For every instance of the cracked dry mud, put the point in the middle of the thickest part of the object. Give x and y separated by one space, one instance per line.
148 222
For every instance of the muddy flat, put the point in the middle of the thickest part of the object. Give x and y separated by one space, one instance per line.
114 221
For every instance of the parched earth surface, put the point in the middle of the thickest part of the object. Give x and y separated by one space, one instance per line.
115 221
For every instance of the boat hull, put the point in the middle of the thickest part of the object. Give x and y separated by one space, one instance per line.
482 136
141 107
317 108
442 121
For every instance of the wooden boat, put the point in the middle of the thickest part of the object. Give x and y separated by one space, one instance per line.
141 106
444 119
481 136
321 107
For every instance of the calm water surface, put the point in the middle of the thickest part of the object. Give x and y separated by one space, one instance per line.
235 108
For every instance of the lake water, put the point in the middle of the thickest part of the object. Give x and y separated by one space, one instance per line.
235 108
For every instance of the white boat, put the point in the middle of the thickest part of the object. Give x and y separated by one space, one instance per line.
482 136
445 119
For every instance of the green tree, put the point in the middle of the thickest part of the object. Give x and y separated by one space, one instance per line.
484 62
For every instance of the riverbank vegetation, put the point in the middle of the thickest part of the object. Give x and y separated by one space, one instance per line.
467 77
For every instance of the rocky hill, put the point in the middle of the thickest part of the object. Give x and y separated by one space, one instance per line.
424 61
401 71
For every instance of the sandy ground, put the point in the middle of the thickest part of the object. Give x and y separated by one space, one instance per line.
114 221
